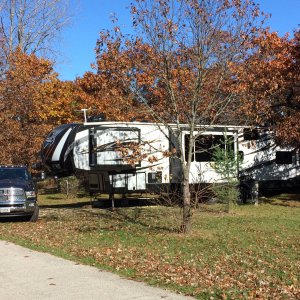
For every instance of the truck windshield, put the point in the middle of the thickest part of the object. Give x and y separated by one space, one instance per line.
13 173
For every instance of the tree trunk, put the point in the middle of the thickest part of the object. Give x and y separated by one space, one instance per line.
187 213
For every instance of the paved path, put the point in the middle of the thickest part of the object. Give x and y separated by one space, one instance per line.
30 275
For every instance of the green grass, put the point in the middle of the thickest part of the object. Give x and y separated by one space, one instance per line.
251 252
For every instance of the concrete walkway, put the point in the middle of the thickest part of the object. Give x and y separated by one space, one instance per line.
30 275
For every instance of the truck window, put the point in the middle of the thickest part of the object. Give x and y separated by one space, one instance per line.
10 173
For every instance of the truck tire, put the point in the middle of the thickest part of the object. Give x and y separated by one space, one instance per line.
35 215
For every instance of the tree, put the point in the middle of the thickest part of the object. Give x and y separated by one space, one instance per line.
226 163
102 94
32 101
179 67
32 26
269 83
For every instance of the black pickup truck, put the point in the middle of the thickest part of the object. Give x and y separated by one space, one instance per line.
18 195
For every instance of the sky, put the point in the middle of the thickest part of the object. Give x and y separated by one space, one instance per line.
78 41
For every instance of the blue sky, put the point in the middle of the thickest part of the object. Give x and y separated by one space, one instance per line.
91 16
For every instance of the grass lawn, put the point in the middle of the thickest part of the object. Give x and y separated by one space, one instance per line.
251 252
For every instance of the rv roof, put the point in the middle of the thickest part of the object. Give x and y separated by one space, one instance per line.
161 124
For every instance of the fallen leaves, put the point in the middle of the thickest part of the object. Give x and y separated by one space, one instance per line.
247 255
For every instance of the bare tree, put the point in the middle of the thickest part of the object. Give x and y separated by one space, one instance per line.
197 42
33 25
181 67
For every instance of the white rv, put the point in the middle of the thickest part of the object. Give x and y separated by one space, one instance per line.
98 151
273 167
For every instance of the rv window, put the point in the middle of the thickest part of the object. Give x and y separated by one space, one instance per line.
155 177
203 146
251 134
241 156
206 145
284 157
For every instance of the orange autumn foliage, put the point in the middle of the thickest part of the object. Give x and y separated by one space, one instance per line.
269 85
32 101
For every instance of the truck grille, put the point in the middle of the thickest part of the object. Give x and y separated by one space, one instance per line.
12 194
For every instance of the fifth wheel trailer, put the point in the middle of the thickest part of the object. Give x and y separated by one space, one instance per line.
95 151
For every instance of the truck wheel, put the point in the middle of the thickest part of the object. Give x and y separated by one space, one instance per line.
35 215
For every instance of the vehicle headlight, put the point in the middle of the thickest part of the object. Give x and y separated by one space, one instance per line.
30 194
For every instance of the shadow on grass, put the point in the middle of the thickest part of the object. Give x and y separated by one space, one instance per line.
65 205
285 203
14 219
102 208
131 202
136 220
99 204
123 202
54 197
286 199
